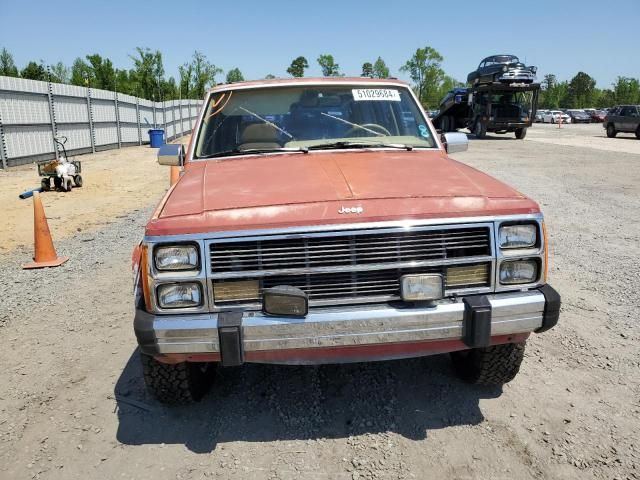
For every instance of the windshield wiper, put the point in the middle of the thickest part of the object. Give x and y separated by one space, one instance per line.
248 151
352 144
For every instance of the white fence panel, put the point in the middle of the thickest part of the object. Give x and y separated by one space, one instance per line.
31 112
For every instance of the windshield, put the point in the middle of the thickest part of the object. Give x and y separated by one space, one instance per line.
305 117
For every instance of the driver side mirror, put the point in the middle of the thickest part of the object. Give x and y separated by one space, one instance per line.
455 142
171 154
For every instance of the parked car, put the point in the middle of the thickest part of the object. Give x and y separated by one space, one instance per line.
624 118
502 68
539 115
335 233
579 116
598 116
554 116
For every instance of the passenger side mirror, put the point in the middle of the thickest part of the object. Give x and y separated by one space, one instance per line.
455 142
171 154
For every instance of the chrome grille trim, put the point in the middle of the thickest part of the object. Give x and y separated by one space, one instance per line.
350 260
332 252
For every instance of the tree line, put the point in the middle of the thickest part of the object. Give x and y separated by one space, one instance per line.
147 78
581 92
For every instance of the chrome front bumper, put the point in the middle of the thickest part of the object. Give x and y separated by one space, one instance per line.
338 328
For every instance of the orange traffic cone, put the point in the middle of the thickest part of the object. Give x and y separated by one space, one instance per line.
174 175
45 255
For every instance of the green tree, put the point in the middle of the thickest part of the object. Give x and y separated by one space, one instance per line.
580 91
81 73
196 76
549 81
626 90
329 67
380 69
122 82
269 76
7 65
59 73
367 70
425 71
34 71
297 67
147 73
103 73
234 75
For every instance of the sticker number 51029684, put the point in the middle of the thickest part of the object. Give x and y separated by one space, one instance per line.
376 94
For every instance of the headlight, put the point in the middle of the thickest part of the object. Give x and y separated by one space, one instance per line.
518 271
176 257
179 295
518 236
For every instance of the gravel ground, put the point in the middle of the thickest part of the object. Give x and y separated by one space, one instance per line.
72 402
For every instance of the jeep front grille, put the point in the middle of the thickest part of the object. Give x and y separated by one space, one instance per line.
352 267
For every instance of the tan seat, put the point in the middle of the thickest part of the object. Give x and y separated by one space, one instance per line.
259 135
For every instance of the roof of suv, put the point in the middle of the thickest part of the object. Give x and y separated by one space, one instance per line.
309 80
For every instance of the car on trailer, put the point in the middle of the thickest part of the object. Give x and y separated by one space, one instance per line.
502 69
496 108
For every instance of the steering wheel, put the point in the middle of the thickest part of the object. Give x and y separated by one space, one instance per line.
353 132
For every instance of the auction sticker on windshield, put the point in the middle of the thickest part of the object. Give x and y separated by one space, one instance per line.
376 94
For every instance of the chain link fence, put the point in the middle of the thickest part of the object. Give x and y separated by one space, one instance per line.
32 113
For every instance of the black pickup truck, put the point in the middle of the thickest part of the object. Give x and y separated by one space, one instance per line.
623 118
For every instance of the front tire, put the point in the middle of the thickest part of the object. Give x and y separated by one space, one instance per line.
611 131
521 133
480 129
495 365
638 132
177 384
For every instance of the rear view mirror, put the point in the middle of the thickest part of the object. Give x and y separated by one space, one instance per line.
455 142
171 154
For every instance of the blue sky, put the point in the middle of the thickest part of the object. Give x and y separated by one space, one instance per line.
261 37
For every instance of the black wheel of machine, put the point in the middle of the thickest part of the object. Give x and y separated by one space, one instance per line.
521 133
480 129
57 182
493 365
180 383
67 184
45 184
78 180
611 131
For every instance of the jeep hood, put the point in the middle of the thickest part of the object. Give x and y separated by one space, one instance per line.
297 189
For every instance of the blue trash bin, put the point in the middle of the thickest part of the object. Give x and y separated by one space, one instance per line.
156 138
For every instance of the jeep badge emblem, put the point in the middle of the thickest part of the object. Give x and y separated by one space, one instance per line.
357 210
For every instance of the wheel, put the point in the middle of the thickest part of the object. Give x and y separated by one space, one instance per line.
57 182
452 123
493 365
67 184
611 131
638 132
480 129
180 383
45 184
521 133
78 180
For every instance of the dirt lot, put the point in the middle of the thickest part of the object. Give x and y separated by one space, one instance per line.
72 402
